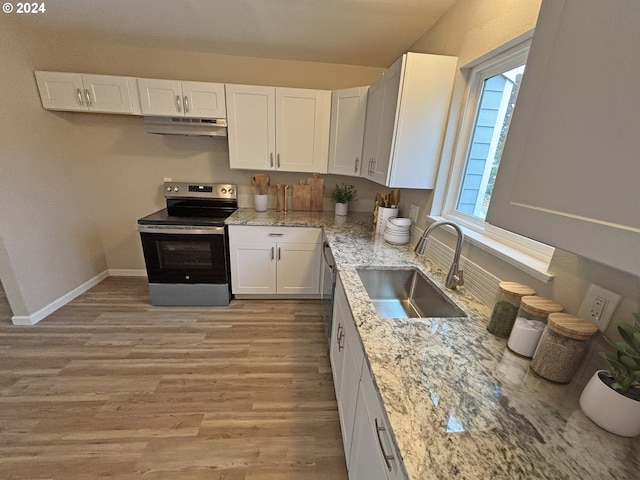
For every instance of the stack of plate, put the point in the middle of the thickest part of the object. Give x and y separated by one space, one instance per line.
397 231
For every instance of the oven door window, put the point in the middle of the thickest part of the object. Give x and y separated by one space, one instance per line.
175 258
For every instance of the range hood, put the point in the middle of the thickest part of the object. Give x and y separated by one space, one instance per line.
208 127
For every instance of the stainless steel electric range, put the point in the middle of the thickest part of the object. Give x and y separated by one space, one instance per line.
186 245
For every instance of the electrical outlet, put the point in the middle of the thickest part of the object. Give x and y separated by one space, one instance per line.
598 306
167 179
413 213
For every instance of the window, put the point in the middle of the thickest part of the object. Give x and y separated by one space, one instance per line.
492 119
492 92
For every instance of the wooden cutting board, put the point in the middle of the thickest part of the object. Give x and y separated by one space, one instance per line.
317 193
302 196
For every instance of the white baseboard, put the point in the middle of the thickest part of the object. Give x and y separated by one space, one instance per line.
127 272
60 302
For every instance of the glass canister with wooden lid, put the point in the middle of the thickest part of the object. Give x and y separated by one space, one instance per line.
530 323
562 346
506 307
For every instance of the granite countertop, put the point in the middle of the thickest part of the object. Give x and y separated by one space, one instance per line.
459 403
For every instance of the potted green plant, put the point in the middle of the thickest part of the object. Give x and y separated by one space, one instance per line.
342 195
612 397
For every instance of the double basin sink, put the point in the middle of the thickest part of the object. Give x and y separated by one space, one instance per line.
406 293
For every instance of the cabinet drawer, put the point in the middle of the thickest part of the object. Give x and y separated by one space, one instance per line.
243 233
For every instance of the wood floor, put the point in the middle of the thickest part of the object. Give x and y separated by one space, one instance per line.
109 386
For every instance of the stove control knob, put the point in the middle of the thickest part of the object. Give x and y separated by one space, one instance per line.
187 277
176 189
223 190
231 191
169 189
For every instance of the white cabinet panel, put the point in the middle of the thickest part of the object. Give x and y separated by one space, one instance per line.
253 268
348 109
302 129
204 100
406 114
182 99
251 118
279 260
299 268
284 129
569 172
160 97
87 93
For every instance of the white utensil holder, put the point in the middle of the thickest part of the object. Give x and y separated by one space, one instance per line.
384 213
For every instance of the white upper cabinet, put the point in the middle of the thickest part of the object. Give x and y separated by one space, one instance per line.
283 129
88 93
251 131
569 175
183 99
348 109
406 114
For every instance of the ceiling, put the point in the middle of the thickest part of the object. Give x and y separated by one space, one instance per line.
357 32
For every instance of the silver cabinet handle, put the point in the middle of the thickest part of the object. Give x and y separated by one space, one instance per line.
385 455
373 166
278 160
357 161
273 249
340 336
186 104
79 93
178 103
86 94
279 253
275 234
271 159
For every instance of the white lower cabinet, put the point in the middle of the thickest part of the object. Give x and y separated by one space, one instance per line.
366 436
275 260
346 364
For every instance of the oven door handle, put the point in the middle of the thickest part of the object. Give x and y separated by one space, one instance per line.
181 231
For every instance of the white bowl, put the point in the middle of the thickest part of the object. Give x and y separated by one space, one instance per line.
400 222
396 230
396 239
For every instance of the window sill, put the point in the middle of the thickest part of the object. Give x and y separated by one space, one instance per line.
529 264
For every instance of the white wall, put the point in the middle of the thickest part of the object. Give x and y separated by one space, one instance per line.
74 184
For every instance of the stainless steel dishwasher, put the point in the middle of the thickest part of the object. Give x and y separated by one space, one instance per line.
328 285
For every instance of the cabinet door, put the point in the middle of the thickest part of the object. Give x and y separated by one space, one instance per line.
251 120
302 129
204 100
161 97
348 109
569 173
337 345
107 93
373 119
61 91
392 78
253 267
373 455
299 268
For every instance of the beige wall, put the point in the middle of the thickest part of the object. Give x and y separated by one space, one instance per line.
469 30
73 184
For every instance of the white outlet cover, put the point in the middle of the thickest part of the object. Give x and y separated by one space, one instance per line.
612 302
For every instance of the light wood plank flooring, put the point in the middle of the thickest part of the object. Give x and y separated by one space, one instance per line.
110 386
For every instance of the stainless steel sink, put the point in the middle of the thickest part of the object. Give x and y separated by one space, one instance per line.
406 293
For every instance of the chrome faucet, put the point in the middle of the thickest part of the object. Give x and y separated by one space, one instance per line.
454 277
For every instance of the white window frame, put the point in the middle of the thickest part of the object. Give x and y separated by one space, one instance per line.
531 256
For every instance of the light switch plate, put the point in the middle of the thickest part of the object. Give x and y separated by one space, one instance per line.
598 306
167 179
